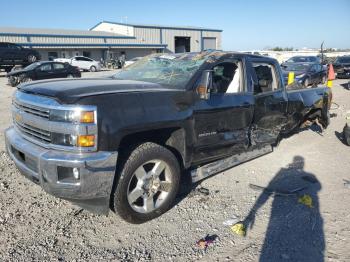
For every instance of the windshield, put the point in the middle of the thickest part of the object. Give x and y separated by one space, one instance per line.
32 66
343 60
171 70
295 67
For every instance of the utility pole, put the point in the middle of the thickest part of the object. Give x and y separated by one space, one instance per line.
322 51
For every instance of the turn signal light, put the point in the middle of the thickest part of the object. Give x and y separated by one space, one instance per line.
87 117
86 141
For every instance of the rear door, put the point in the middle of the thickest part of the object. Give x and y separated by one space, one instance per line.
222 122
60 70
45 71
270 114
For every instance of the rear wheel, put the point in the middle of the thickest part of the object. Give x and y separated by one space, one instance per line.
92 69
324 79
70 76
31 58
148 183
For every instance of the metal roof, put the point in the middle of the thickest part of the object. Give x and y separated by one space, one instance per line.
15 31
161 26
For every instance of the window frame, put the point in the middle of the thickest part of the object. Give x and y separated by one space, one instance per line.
254 78
53 66
41 66
243 85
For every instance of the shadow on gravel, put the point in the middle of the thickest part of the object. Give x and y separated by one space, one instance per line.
340 136
346 85
295 229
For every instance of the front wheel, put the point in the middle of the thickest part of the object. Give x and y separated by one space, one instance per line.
93 69
148 183
70 76
306 82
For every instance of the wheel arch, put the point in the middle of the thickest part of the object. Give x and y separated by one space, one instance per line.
173 138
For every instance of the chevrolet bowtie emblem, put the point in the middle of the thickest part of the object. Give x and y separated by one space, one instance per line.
18 117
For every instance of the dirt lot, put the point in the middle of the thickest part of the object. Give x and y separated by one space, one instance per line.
37 226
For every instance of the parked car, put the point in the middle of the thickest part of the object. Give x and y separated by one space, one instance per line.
43 70
124 142
342 67
82 62
306 73
13 54
303 59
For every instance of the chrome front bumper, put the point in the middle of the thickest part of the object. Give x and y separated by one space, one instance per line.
97 169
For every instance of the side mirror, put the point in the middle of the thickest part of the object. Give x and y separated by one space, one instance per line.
204 86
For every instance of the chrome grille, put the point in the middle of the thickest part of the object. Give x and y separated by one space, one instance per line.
39 134
32 118
34 110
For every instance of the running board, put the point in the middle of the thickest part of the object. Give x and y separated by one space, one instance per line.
226 163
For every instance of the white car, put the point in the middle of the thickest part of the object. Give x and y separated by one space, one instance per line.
82 62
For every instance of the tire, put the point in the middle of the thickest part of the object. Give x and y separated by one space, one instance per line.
31 58
138 195
324 79
70 76
306 82
13 81
93 69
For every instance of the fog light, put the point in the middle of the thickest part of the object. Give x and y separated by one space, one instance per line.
86 141
76 173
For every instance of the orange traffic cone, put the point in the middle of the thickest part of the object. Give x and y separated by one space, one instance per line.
331 76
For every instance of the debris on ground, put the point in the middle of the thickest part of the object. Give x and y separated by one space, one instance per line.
206 241
276 191
306 200
346 183
231 221
239 229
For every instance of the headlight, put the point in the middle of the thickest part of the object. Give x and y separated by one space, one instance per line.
73 116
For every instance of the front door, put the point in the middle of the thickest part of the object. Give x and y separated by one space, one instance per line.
270 114
222 122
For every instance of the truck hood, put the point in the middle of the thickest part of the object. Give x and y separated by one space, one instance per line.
69 91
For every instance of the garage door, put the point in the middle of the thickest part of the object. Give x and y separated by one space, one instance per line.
209 43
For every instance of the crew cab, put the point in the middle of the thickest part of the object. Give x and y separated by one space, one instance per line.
12 54
124 142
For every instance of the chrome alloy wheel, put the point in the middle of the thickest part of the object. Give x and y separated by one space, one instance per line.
149 186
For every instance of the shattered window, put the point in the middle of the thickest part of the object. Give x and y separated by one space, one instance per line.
171 70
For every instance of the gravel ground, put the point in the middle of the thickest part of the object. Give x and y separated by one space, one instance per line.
36 226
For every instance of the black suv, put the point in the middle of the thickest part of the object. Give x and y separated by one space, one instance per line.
342 67
13 54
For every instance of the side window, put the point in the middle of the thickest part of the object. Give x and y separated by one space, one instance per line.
266 78
227 78
77 58
46 67
57 66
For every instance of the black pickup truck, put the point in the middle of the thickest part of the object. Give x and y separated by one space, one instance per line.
123 143
15 55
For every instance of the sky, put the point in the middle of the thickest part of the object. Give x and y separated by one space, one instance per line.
246 24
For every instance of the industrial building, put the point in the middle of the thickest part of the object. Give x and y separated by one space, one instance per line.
108 40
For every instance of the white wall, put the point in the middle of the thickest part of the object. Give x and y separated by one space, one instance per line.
115 28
